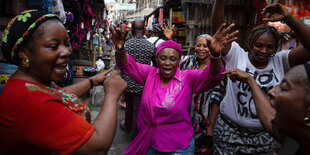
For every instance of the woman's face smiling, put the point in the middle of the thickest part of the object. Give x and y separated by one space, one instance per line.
201 48
50 53
289 100
168 61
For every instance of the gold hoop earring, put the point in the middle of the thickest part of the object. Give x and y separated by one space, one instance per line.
25 63
307 121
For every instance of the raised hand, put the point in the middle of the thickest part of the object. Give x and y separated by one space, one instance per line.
222 38
275 12
114 85
168 33
118 37
238 75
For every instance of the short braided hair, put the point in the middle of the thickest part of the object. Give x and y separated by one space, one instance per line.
261 29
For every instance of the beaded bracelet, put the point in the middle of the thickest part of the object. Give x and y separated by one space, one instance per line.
213 57
91 82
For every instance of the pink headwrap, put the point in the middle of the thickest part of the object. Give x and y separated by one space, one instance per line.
168 44
124 25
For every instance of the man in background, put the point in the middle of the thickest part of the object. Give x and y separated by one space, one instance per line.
142 51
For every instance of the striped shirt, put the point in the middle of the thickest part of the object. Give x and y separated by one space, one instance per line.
202 102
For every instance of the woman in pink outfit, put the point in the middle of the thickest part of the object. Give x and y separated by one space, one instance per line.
163 120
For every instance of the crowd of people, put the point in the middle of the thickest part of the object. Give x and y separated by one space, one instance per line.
223 98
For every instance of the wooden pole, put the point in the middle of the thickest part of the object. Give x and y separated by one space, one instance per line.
170 18
94 56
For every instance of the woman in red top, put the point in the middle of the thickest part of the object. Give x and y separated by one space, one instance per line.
37 117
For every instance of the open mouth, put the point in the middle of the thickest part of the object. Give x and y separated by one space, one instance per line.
167 71
201 54
60 69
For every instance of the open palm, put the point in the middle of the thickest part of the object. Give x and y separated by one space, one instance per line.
168 33
118 37
222 38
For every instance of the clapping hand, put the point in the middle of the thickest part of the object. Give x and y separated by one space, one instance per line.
275 12
222 38
118 37
168 33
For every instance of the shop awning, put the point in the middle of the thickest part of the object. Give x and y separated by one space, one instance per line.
140 14
124 7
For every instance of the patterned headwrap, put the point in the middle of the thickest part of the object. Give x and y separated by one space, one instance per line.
20 29
168 44
203 36
157 27
307 67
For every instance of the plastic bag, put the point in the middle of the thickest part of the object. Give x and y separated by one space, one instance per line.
100 64
58 9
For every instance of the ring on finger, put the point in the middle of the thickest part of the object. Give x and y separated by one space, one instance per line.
227 38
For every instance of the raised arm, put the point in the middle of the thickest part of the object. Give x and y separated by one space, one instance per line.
118 37
105 123
217 19
217 16
263 107
82 87
219 42
301 54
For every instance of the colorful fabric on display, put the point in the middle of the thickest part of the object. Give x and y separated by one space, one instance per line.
19 29
34 120
142 51
168 44
202 103
6 70
163 120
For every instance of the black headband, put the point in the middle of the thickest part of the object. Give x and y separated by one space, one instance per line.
19 29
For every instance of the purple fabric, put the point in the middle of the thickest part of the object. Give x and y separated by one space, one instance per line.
70 17
168 44
163 119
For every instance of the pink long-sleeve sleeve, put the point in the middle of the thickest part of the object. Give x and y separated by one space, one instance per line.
136 71
202 80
